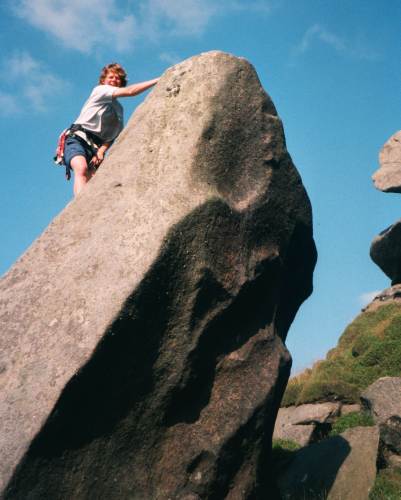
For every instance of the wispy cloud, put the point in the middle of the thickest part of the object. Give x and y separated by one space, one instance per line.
83 25
191 17
260 6
176 17
366 298
170 57
89 25
8 104
318 34
33 84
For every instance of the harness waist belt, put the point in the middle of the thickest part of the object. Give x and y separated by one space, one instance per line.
76 127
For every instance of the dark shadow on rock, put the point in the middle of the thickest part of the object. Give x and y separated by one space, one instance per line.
155 365
312 470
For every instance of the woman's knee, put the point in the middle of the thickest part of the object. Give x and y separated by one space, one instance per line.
79 165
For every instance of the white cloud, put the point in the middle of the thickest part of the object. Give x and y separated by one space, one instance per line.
8 104
183 17
33 84
89 25
83 25
317 34
191 17
260 6
366 298
170 58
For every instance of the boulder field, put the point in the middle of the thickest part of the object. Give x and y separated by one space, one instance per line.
143 333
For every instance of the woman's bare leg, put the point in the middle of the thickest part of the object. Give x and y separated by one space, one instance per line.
82 174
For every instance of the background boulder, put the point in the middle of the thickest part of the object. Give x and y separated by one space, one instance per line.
305 422
339 468
385 251
388 177
143 332
383 398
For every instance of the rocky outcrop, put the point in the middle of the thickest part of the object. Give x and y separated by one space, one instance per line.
339 468
385 250
388 177
305 423
383 399
143 332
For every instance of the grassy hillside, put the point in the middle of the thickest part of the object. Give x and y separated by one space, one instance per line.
369 348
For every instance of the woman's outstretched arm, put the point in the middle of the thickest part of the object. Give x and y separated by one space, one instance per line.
134 89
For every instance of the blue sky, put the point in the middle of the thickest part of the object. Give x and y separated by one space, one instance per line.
332 68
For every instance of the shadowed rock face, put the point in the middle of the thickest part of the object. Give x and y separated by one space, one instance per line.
143 332
385 251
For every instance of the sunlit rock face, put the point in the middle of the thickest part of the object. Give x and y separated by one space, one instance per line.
143 332
388 177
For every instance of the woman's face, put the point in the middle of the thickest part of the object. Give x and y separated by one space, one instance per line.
113 79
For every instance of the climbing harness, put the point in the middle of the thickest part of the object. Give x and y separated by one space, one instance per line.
82 135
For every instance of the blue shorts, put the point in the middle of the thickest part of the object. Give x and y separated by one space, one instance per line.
75 146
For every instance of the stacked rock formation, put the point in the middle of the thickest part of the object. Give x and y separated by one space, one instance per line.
385 250
143 332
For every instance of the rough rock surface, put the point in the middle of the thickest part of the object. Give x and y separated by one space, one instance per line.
385 251
339 468
302 423
388 177
350 408
383 398
318 413
142 333
301 434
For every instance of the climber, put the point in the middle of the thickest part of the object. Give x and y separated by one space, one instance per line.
82 147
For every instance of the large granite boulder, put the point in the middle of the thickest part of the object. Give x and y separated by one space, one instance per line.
143 333
383 399
385 251
388 177
338 468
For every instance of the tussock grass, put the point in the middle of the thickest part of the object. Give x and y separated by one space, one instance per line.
387 485
369 348
354 419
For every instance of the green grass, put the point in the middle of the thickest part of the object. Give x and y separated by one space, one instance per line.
387 485
369 348
354 419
